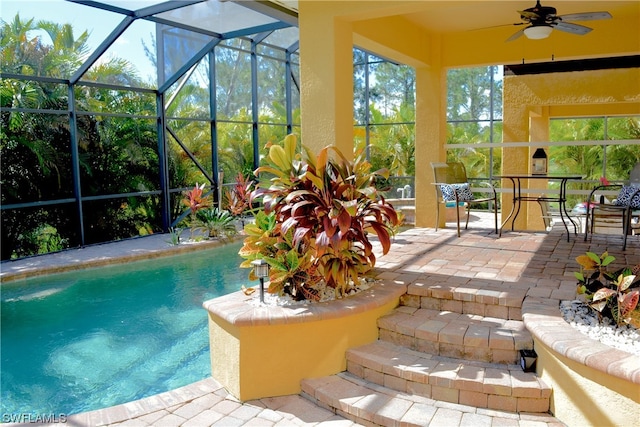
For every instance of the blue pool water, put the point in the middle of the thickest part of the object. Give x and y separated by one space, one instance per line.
85 340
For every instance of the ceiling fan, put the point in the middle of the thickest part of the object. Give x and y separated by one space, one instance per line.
541 20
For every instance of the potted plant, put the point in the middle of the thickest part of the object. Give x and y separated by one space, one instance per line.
318 213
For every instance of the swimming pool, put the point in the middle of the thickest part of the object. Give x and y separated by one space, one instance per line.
90 339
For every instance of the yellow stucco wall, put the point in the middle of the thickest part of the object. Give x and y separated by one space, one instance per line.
583 396
430 138
268 351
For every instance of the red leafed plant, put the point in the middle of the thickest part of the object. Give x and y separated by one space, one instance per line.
195 200
237 197
324 209
614 295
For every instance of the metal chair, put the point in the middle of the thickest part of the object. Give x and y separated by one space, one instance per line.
621 215
453 190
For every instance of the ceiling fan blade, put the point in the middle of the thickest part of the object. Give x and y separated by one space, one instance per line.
499 26
529 15
568 27
516 35
587 16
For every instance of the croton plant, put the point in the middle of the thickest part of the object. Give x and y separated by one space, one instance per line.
318 213
612 294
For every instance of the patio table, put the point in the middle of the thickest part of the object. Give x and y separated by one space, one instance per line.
518 198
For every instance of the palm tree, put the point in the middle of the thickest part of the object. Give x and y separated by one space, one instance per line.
392 140
63 57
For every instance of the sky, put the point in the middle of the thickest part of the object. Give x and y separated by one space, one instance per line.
97 22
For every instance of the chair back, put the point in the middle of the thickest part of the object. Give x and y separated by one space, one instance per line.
450 173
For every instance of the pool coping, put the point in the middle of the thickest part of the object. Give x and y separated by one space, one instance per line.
104 254
147 406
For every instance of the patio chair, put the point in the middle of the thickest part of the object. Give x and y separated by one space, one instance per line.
453 191
619 216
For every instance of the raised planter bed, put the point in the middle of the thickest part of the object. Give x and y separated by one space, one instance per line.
265 351
593 384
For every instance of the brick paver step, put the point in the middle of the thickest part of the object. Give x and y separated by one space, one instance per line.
471 298
370 404
478 384
463 336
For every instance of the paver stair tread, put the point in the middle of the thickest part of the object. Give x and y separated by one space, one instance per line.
371 404
481 384
457 335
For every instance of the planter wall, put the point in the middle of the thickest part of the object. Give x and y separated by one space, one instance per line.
593 384
266 351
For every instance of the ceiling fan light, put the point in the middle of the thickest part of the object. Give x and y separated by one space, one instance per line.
538 32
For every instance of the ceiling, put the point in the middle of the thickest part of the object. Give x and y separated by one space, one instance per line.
455 16
471 33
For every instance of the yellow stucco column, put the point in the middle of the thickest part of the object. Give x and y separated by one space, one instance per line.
515 160
538 132
326 78
430 131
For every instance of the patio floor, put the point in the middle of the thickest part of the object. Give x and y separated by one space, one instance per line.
541 262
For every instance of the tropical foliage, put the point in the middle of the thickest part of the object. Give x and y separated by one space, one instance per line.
237 198
195 199
593 161
115 155
203 216
612 294
318 213
118 162
217 223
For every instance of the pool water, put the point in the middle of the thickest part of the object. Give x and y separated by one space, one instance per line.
90 339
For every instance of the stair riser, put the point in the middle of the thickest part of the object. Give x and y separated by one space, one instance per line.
463 307
358 414
452 350
449 334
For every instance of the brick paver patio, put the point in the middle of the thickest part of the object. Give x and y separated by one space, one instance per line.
540 265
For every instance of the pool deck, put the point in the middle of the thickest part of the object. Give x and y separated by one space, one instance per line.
207 403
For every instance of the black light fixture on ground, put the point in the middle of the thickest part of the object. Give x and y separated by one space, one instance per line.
528 359
261 270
